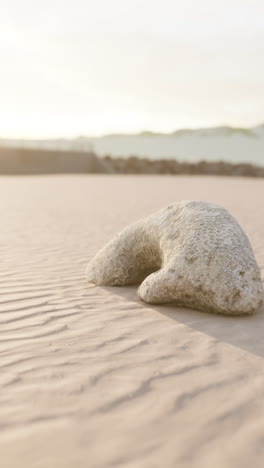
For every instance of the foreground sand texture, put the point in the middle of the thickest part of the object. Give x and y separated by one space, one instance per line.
91 376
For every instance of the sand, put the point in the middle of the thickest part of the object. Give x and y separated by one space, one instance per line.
92 377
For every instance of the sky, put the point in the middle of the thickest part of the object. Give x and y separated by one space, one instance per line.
90 67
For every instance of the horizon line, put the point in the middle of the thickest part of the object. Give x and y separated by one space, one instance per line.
137 133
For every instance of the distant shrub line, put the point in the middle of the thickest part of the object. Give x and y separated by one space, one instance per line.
135 165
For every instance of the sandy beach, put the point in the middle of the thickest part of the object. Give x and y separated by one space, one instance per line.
92 377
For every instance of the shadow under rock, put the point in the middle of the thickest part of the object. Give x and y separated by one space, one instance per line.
244 332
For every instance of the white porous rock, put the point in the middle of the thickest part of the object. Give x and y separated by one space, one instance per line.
192 253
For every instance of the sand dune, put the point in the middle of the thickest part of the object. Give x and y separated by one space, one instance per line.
91 377
14 161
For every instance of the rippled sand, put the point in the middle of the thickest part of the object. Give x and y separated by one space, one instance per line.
91 377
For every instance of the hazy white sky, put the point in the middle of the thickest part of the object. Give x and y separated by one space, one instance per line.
101 66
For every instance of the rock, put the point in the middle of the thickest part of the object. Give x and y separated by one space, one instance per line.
192 253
